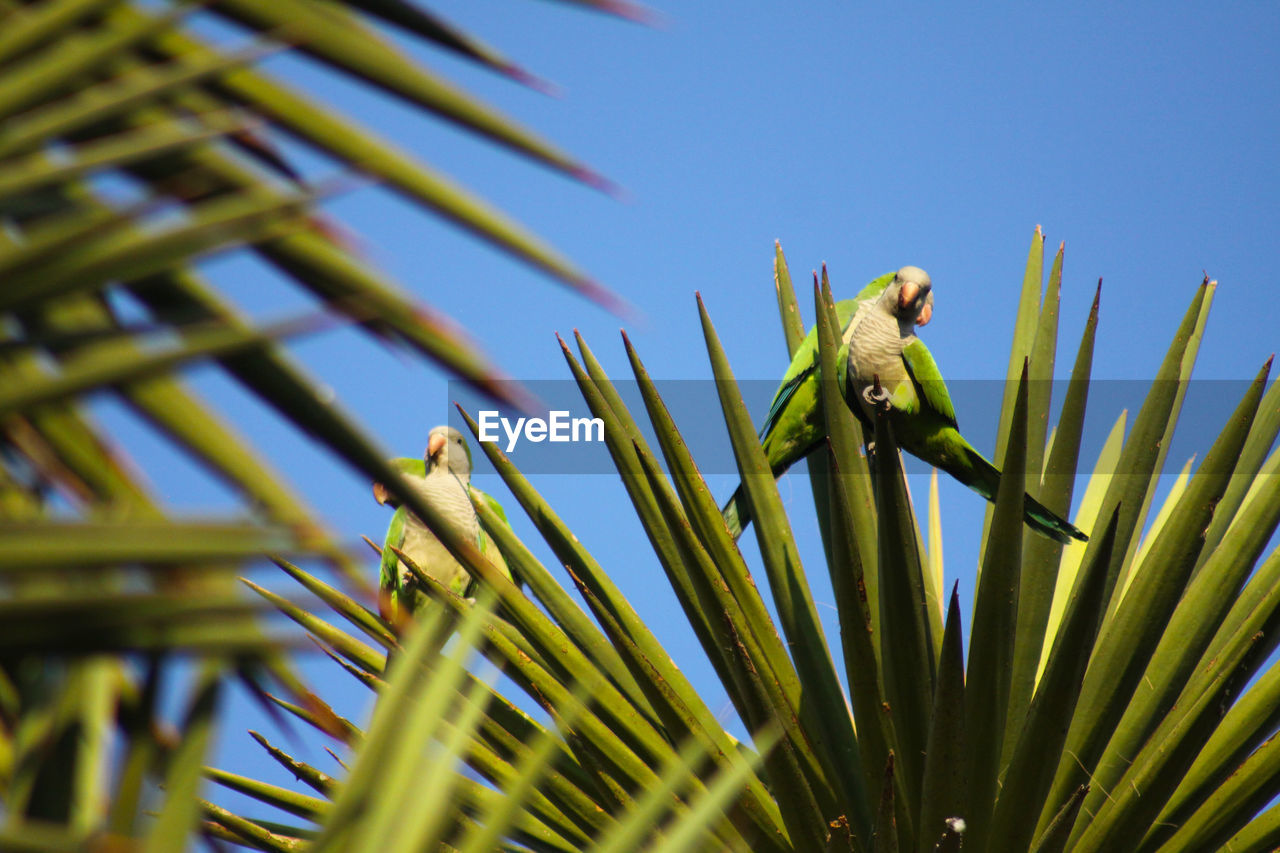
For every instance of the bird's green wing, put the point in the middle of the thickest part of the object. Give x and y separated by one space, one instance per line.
389 574
408 467
928 380
490 502
413 466
486 544
805 361
790 384
874 288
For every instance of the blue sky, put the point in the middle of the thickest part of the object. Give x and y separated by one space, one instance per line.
1144 135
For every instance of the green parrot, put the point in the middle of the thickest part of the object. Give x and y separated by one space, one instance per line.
796 425
886 366
443 478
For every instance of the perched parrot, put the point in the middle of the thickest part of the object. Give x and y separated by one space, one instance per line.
888 367
796 424
443 479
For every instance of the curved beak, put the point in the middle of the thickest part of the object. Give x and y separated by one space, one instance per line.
435 445
380 493
907 295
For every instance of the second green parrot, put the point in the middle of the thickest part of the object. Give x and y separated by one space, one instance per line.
888 367
796 424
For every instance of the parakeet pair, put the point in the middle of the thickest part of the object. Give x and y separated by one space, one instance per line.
442 477
884 364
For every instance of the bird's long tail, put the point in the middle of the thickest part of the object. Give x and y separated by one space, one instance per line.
737 512
984 478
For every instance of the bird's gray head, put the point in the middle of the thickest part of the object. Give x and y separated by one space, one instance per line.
447 448
909 297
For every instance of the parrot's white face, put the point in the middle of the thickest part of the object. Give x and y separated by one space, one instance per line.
909 297
447 448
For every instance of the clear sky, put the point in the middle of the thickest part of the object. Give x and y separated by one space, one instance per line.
867 136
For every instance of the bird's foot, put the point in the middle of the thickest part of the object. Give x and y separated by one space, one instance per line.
876 396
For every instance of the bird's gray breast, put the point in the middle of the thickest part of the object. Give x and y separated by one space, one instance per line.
447 495
875 348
